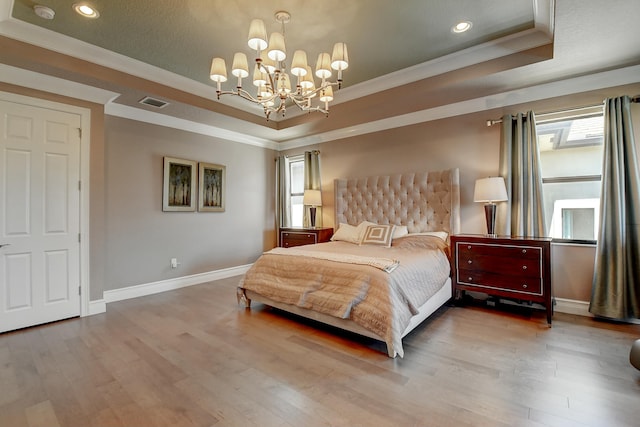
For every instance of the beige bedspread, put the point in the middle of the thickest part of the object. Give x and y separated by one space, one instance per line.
381 302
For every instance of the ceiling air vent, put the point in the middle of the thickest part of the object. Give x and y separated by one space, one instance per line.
156 103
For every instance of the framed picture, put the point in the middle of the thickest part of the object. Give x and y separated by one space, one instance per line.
212 187
179 185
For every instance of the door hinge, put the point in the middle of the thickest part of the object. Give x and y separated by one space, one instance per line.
79 290
80 133
79 238
79 185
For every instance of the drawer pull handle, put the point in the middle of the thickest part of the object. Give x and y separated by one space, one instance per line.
308 235
469 247
524 251
524 267
470 262
470 279
524 286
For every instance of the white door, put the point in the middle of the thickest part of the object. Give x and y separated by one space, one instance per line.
39 215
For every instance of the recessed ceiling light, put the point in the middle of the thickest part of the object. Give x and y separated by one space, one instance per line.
461 27
86 10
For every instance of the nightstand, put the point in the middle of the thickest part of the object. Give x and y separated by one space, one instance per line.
516 268
297 236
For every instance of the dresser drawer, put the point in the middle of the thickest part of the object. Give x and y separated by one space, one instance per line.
292 238
502 251
491 280
522 267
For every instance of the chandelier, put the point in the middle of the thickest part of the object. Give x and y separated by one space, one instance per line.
272 82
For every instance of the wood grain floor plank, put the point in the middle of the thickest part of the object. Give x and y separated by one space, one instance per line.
41 415
193 357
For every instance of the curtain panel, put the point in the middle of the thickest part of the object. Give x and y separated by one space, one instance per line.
283 194
523 213
616 282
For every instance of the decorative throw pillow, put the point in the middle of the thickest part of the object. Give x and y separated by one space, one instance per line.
347 233
362 228
378 235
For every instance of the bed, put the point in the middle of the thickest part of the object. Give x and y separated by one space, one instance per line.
387 267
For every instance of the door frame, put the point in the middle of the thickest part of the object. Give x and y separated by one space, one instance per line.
85 157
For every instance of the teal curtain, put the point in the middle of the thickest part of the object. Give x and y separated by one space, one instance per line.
283 193
522 214
616 281
312 181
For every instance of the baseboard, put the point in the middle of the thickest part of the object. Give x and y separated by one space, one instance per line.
97 307
172 284
570 306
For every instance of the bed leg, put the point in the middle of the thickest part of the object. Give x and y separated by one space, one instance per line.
242 297
390 351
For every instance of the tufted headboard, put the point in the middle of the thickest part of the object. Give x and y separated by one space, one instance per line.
423 201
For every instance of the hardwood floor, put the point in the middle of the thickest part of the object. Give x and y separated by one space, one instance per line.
192 357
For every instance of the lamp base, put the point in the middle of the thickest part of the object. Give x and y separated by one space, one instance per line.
312 212
490 216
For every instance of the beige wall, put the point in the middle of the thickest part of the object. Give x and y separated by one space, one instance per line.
467 143
141 238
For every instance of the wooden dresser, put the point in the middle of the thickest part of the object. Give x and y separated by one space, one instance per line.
290 237
516 268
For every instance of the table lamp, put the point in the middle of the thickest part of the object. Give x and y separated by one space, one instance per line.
490 190
312 198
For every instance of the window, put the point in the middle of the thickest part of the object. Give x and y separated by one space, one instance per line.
296 186
571 148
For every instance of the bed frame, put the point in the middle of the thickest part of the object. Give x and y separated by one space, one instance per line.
425 201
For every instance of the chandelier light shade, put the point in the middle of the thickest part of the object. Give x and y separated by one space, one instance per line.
257 35
270 76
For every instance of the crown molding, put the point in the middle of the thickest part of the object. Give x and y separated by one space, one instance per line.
31 79
127 112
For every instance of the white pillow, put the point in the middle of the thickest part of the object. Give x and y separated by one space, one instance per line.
347 233
399 231
441 234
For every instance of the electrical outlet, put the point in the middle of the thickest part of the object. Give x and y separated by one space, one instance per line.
174 262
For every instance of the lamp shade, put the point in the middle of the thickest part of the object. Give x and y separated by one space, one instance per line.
277 51
257 39
326 94
312 198
323 66
240 67
490 190
218 70
307 82
259 78
340 57
299 63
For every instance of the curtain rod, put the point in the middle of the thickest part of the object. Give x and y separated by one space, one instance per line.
496 121
295 155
